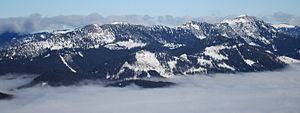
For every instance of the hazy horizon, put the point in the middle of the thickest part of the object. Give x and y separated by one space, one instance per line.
27 16
37 23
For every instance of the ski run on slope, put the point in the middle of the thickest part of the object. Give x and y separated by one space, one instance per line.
63 60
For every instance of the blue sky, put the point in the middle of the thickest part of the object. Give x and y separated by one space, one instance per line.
194 8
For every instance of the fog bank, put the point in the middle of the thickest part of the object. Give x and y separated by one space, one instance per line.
262 92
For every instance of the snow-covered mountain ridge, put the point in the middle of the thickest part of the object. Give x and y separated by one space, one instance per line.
122 51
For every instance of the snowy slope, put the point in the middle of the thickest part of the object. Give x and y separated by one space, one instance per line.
121 51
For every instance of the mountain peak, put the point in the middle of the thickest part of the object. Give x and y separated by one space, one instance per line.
241 19
191 22
194 24
243 15
92 28
120 23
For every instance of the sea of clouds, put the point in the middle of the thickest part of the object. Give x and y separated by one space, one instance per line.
260 92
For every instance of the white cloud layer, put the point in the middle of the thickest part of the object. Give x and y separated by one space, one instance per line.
262 92
36 22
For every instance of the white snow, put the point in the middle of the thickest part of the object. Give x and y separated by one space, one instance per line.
195 26
224 65
113 47
274 47
131 44
190 25
234 21
268 51
253 44
173 45
125 45
193 70
56 47
225 34
248 28
44 83
119 23
184 56
283 26
172 64
63 60
62 31
42 36
80 38
249 62
96 26
274 30
264 40
146 61
96 46
204 62
80 54
101 36
47 56
13 54
107 76
213 51
288 60
243 15
200 36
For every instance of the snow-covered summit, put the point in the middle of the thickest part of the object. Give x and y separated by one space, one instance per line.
200 29
242 15
241 19
277 26
124 23
253 30
191 25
